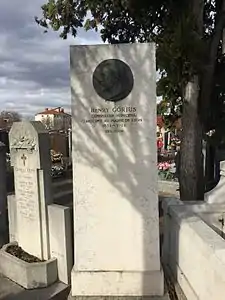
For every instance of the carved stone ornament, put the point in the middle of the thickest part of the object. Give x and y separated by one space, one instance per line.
23 142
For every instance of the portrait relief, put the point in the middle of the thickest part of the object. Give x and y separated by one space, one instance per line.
113 80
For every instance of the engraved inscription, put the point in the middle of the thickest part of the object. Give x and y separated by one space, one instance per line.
113 120
26 193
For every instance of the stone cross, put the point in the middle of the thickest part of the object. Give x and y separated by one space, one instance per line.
24 158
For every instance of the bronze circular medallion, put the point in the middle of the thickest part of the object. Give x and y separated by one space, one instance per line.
113 80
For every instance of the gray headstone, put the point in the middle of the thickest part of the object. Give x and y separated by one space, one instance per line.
30 158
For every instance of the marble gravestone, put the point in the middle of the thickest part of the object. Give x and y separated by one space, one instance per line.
116 224
30 158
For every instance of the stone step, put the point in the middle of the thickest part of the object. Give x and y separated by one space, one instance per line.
11 291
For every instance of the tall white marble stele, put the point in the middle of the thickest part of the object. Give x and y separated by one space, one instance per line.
116 224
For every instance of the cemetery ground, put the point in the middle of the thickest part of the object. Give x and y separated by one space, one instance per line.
11 291
107 232
63 186
62 194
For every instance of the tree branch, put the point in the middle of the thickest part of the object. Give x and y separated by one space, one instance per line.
208 74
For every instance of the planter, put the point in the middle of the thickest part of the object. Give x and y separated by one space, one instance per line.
28 275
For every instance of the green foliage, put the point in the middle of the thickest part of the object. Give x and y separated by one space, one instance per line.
182 49
169 112
63 14
8 117
12 116
163 109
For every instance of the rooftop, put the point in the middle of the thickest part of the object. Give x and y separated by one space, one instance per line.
53 111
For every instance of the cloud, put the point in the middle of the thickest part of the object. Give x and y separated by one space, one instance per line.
34 67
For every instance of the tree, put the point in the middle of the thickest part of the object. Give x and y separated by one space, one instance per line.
187 34
47 122
7 118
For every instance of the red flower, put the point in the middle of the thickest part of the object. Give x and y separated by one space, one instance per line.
159 143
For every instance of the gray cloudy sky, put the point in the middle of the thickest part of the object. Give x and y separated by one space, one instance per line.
34 67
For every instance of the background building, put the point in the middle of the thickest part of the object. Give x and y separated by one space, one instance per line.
54 119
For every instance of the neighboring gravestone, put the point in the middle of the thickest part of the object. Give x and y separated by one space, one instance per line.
217 194
30 157
115 175
60 233
3 196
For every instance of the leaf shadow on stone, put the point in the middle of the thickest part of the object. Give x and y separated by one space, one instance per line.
131 150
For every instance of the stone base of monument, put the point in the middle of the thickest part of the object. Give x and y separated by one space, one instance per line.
28 275
117 284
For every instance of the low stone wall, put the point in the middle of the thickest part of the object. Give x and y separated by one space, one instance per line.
168 187
193 251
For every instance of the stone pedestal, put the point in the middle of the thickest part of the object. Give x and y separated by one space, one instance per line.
116 224
60 233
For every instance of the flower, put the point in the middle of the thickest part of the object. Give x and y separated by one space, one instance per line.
164 166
